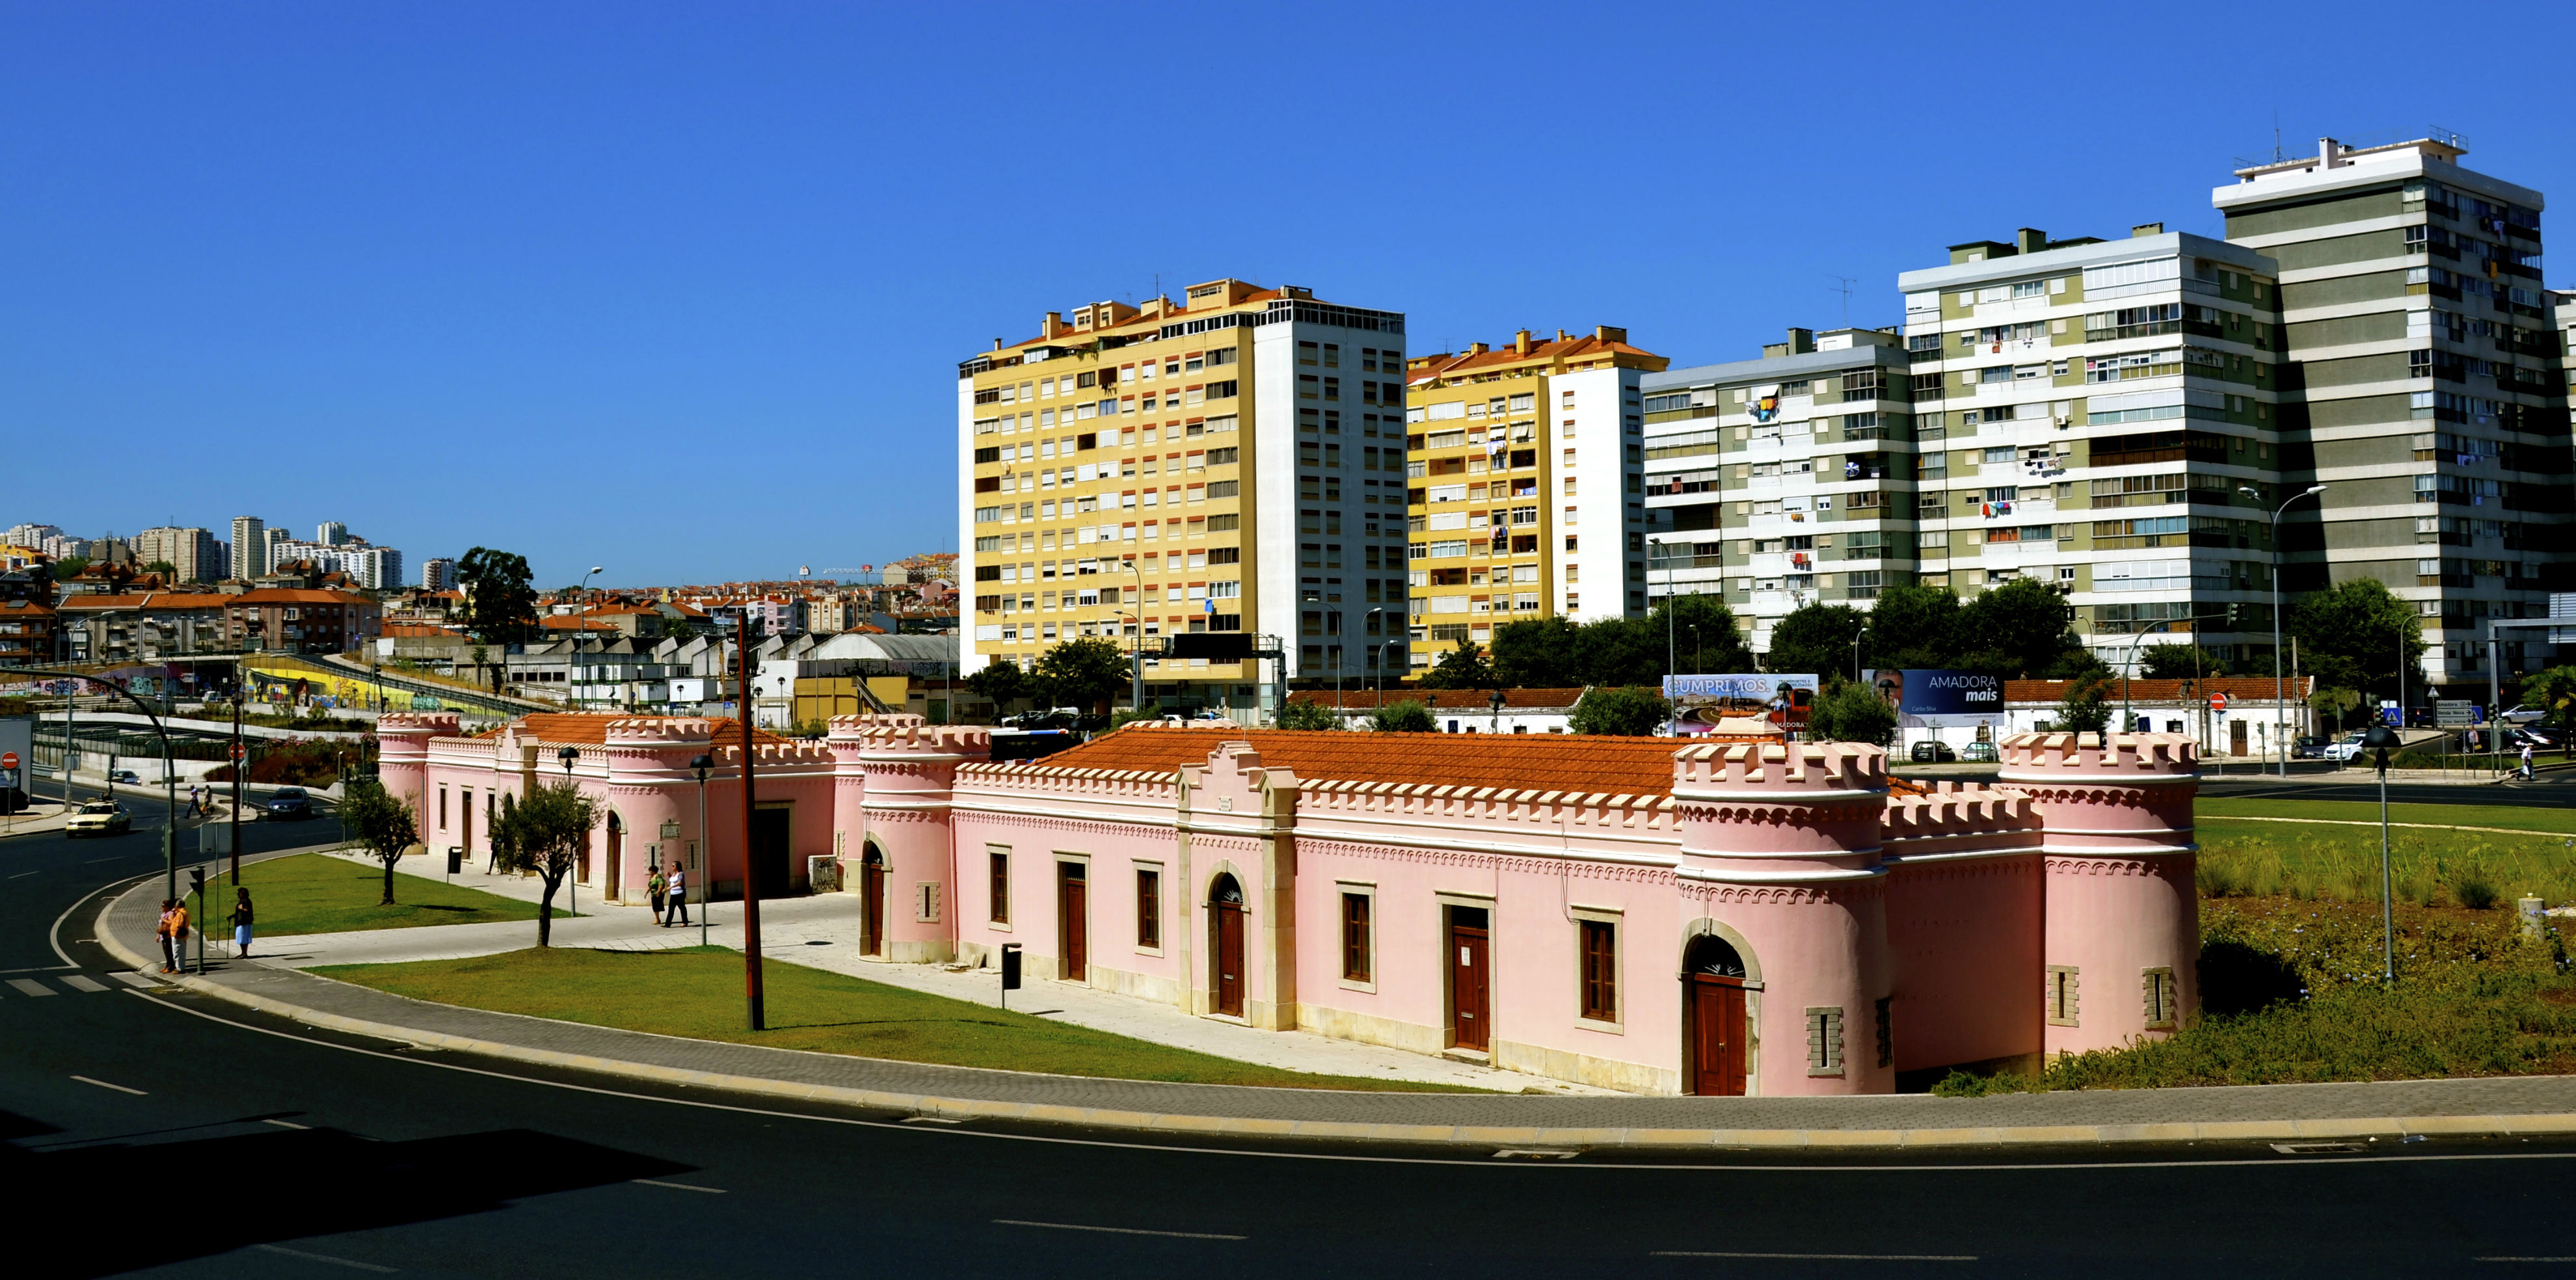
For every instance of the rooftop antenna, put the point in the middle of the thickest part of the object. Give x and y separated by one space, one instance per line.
1844 287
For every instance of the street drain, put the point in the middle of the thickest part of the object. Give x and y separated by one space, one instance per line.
2318 1148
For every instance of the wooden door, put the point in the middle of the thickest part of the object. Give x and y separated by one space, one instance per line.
1717 1036
769 829
467 830
1073 920
1470 994
872 905
1229 958
616 855
2236 736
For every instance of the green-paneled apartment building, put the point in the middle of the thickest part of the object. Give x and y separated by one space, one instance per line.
2122 418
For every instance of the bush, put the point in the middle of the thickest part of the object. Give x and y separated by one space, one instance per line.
298 764
1403 717
1308 715
1632 713
1852 713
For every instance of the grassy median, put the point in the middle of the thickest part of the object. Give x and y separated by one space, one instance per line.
2546 816
316 893
697 992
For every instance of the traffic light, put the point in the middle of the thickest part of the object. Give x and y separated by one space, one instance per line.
197 881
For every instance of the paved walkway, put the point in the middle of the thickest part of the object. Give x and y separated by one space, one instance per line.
822 932
2527 1104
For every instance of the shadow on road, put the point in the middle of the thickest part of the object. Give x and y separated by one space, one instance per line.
290 1185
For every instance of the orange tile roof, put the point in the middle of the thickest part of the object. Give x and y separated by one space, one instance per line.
299 595
156 600
418 629
1571 348
1543 762
1447 699
590 728
567 622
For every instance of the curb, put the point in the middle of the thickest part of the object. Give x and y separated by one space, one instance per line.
1455 1135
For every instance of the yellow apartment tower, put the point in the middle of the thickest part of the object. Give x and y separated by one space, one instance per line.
1229 466
1524 485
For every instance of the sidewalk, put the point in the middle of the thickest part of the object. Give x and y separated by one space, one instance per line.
822 932
2503 1105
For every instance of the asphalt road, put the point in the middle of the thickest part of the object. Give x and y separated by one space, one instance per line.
2549 791
167 1134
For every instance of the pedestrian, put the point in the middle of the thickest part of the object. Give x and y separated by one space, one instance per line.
2526 759
192 801
653 885
179 934
161 931
676 892
241 922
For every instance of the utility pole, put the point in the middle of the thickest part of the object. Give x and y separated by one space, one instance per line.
241 765
751 989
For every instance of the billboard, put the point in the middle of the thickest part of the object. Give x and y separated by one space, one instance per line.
1942 699
1699 702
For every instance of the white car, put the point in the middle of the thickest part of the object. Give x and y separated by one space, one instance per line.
2524 713
2344 748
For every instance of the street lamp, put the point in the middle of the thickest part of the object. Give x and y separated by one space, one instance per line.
2125 656
2280 713
701 765
1136 643
2383 739
241 768
1497 703
568 755
1376 656
578 592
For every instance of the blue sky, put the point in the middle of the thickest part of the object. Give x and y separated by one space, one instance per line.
679 290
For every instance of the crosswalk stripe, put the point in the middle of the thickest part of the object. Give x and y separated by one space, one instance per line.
32 987
135 980
83 982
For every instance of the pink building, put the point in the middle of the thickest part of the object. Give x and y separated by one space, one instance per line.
1628 912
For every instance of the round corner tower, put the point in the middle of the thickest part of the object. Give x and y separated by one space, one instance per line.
2123 920
402 750
892 784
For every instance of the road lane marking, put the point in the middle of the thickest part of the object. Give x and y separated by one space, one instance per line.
1119 1231
136 980
2566 1259
33 987
24 874
324 1257
286 1124
678 1186
105 1085
2270 1162
83 982
1822 1257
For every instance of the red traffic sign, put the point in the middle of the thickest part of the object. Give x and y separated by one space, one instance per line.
2218 702
235 751
8 759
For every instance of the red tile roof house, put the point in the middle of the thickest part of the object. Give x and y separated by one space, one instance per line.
1635 913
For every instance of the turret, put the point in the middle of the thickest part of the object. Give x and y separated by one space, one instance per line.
402 752
891 791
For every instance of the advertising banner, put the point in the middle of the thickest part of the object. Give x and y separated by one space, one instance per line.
1699 702
1942 699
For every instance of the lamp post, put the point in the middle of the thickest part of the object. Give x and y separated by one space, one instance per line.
241 767
2280 712
568 756
1377 677
569 683
2382 739
701 765
169 781
1497 703
2125 656
1136 643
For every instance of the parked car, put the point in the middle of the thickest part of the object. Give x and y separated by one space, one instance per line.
2344 748
1934 753
288 805
126 776
2308 747
1980 752
99 818
2524 713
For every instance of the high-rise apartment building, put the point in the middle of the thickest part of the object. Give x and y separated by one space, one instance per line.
1787 480
331 533
438 574
2104 406
1524 469
1232 462
2430 397
192 552
250 548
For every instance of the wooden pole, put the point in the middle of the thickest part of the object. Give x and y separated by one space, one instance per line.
751 990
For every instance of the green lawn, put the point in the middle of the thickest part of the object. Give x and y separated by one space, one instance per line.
313 893
697 992
2519 817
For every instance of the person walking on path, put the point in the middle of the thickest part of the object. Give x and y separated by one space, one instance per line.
193 810
2526 759
241 922
676 887
179 935
161 931
653 885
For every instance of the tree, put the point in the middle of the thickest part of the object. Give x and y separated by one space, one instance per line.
1620 651
1538 653
169 572
1913 626
1625 712
1851 712
1703 634
1308 714
2334 704
2178 662
1461 668
500 604
2554 691
383 823
1084 673
2087 708
1407 716
69 567
2352 633
545 834
2017 630
1003 683
1816 639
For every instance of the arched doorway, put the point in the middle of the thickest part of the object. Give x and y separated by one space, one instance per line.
616 847
1713 1017
1225 921
872 901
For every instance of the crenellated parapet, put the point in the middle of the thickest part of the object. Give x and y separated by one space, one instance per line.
1803 811
1503 807
2143 758
680 731
1952 820
1161 786
2126 794
419 725
778 755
